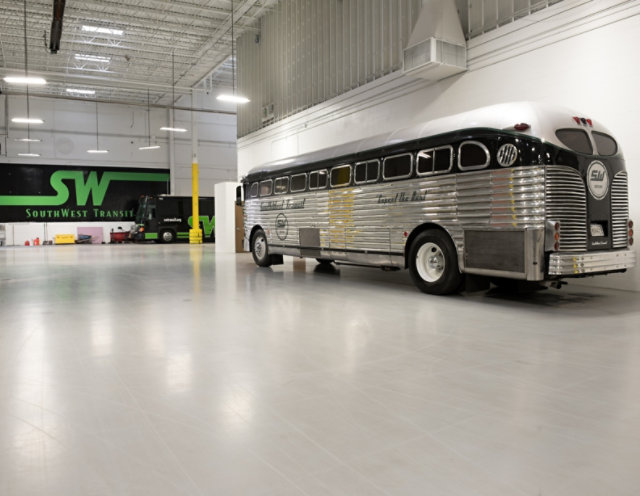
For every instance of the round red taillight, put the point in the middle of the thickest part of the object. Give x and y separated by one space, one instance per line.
556 246
630 224
523 126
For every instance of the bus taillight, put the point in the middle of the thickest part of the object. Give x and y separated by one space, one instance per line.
630 224
556 236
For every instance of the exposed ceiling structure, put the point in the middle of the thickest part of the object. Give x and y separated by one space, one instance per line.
122 48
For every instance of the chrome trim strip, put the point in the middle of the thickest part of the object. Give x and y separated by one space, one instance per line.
575 264
566 203
620 210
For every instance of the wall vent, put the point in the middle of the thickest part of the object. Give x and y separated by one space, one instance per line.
437 48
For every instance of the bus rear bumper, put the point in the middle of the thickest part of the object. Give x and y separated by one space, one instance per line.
576 264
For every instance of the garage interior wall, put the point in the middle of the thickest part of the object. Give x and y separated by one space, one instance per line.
307 52
573 53
69 130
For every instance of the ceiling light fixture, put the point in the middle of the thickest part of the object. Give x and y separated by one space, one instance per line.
28 154
80 91
96 29
149 146
32 80
234 98
27 140
172 129
97 148
92 58
27 120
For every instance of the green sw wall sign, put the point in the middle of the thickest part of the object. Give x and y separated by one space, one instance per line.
45 193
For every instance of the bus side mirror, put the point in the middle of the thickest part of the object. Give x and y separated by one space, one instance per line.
239 196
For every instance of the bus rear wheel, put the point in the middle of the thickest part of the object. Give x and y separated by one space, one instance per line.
260 249
167 236
433 263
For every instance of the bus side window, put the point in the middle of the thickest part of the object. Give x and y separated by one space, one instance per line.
281 185
253 192
298 183
340 176
473 155
266 187
367 172
435 161
318 179
397 167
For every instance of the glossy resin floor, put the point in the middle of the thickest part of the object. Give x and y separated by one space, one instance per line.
168 370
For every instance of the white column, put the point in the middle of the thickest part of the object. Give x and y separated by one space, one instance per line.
225 217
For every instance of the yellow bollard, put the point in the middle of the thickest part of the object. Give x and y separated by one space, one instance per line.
195 234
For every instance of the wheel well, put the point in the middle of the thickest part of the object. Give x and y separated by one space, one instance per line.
253 231
414 234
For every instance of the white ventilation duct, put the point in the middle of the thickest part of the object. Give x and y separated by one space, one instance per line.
436 48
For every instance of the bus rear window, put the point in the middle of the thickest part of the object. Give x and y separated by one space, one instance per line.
473 155
605 144
576 140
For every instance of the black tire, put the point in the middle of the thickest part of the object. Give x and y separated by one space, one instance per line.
433 263
167 236
324 261
260 249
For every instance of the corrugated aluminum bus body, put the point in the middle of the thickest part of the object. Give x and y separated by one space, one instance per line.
541 199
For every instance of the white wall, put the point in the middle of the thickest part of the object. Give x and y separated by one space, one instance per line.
70 129
576 54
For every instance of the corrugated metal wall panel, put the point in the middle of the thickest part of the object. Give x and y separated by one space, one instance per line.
309 51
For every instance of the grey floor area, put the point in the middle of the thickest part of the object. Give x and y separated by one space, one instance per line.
169 370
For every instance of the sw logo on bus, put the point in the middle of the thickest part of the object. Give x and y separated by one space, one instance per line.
282 226
598 180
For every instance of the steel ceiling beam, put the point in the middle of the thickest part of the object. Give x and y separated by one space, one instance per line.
126 103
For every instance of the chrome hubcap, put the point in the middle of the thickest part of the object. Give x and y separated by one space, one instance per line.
259 248
430 262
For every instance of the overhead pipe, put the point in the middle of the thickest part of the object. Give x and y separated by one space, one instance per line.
56 25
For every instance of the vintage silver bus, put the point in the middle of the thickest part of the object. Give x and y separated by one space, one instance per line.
518 191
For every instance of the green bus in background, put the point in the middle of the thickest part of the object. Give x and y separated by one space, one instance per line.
167 219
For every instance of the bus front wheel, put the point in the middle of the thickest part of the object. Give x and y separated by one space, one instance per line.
433 263
260 249
167 236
